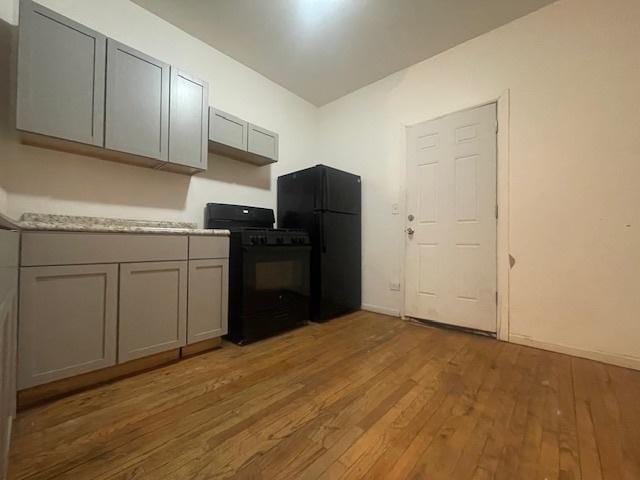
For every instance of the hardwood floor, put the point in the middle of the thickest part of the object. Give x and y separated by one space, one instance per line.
363 396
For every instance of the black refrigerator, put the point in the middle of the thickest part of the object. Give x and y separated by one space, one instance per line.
327 203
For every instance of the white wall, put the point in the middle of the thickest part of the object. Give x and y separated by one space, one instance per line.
46 181
573 71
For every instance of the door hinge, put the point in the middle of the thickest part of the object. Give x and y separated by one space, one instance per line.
496 298
496 211
497 127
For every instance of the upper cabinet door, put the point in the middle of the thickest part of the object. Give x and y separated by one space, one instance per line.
188 120
262 142
137 103
61 77
227 129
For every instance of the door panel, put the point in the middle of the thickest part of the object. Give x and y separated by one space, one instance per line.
451 274
262 142
342 191
68 321
208 299
227 129
137 103
153 308
341 264
61 77
188 120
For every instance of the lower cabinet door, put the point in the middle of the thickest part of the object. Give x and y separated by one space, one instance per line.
208 299
153 308
68 321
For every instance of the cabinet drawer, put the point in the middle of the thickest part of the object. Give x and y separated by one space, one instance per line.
208 247
262 142
227 129
68 248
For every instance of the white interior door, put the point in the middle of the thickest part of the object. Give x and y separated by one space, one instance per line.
451 257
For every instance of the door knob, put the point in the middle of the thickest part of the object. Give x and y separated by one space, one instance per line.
410 231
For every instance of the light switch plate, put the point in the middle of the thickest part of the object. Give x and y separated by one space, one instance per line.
395 209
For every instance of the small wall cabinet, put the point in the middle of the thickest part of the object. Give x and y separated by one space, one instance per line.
61 75
262 143
227 130
68 321
235 138
137 103
153 308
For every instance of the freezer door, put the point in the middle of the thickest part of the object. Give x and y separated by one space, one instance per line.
340 265
340 191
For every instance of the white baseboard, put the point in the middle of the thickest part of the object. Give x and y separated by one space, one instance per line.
604 357
382 310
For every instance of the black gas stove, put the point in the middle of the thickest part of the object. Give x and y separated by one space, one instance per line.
269 272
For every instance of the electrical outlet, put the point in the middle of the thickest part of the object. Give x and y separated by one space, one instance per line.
394 286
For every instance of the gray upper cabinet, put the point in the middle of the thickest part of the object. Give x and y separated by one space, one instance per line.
235 138
153 308
68 321
137 103
227 129
188 120
61 77
262 142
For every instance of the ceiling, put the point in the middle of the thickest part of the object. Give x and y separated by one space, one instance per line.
324 49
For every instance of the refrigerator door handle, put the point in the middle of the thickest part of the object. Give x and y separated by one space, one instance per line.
325 191
323 243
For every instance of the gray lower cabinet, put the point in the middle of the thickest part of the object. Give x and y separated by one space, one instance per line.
137 103
208 287
153 308
8 350
9 242
68 321
188 120
61 77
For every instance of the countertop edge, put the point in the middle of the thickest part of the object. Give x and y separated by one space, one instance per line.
128 230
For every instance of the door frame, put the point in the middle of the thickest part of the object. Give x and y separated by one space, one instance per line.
502 102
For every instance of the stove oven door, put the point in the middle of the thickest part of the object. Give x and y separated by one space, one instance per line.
276 289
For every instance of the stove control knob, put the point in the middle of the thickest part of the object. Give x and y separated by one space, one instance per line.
253 240
263 240
280 240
